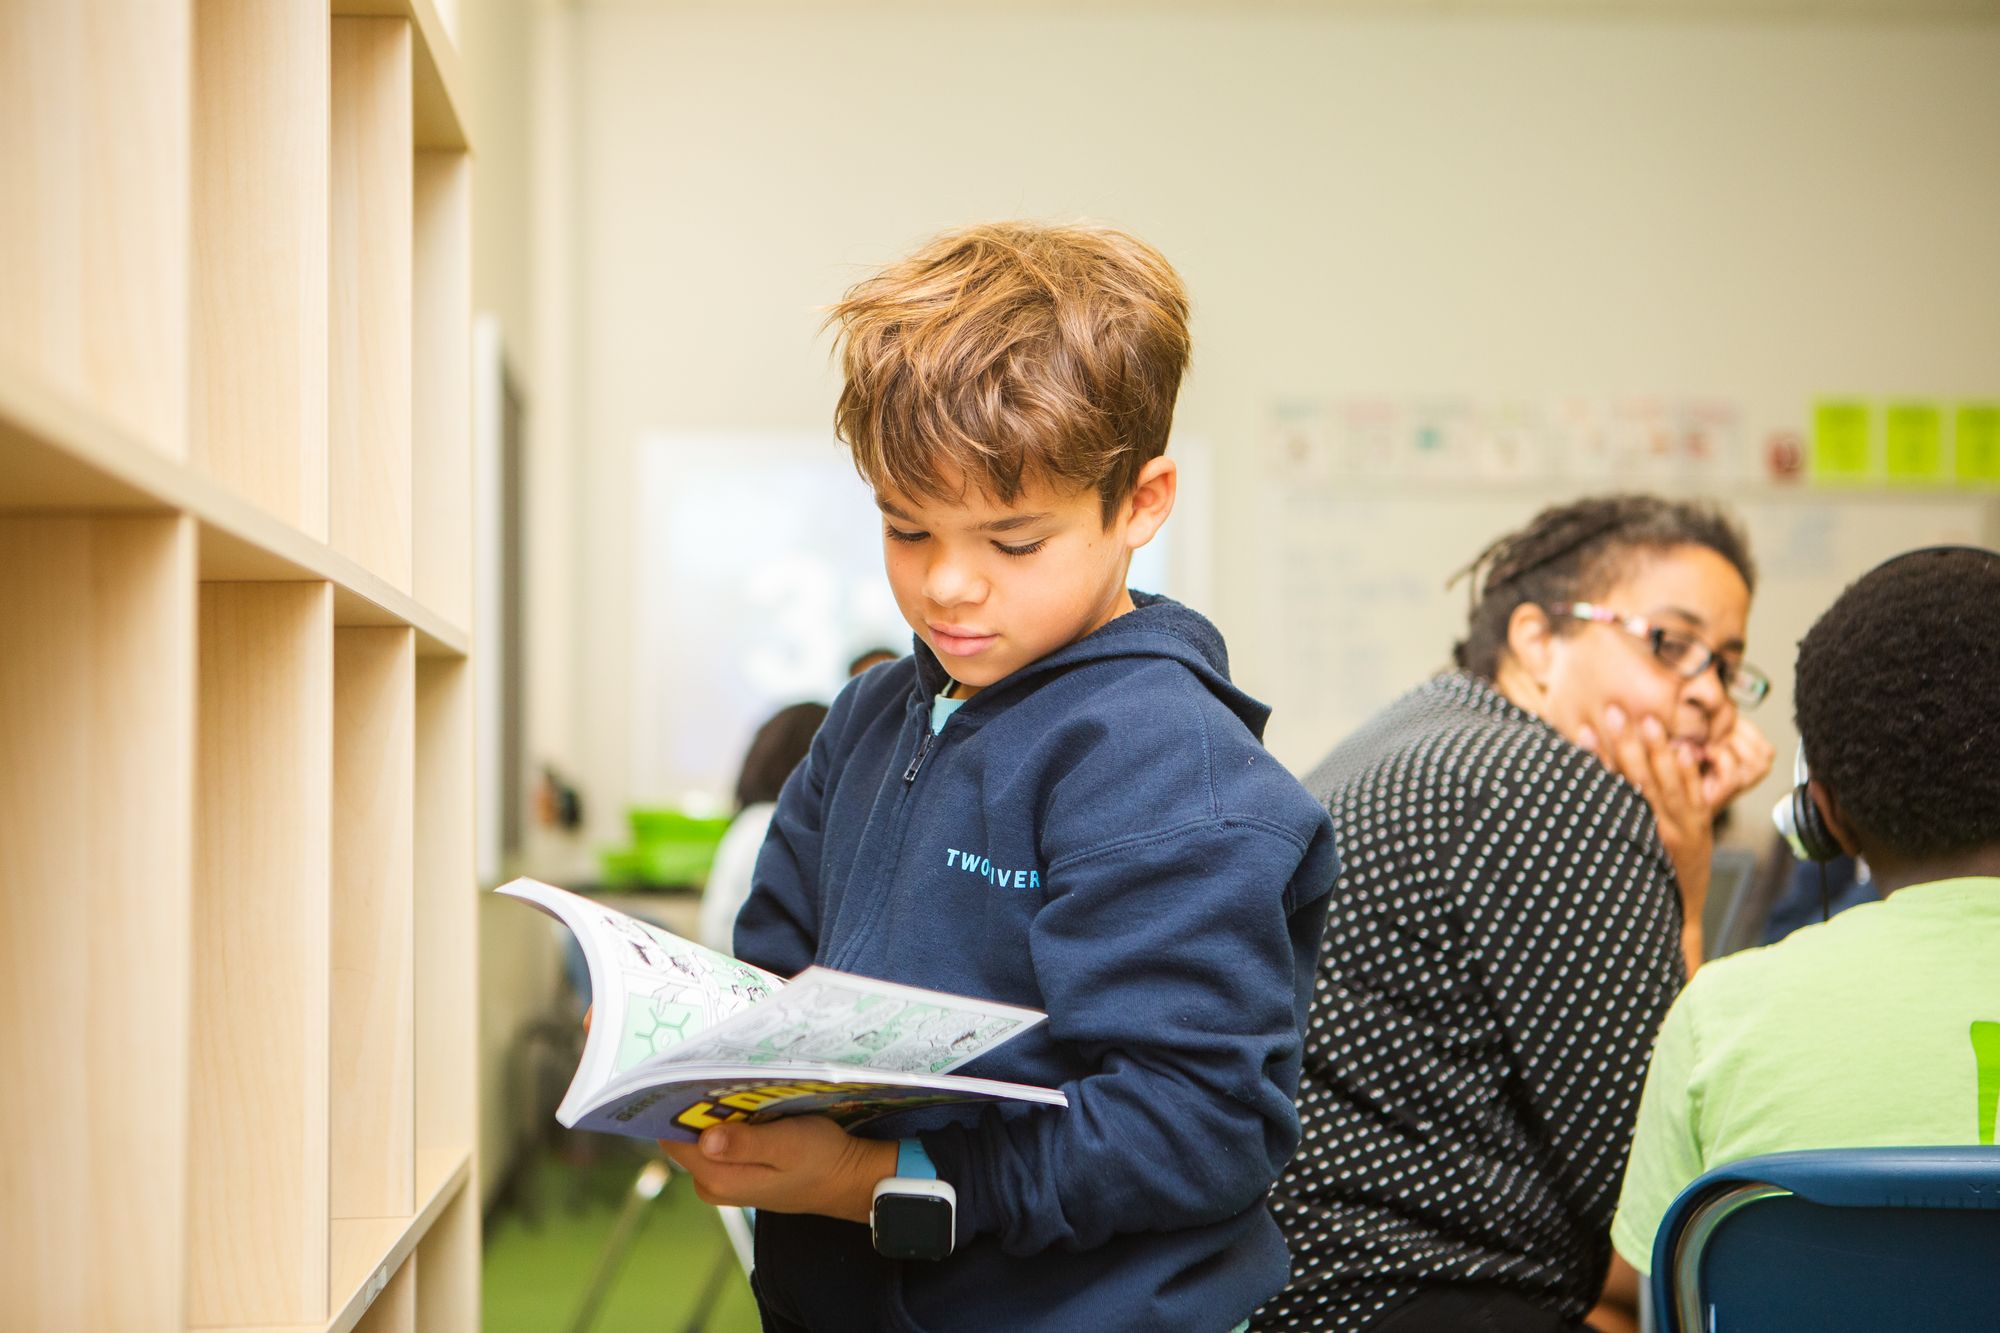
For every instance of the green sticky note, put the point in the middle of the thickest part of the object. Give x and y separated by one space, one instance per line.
1913 443
1842 443
1976 441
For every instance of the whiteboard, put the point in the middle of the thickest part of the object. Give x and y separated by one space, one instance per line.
1358 611
757 578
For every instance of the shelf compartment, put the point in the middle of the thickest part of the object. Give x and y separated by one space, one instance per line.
439 97
258 1133
442 402
94 148
367 1250
394 1309
57 457
96 721
448 1266
447 995
373 1087
368 433
258 400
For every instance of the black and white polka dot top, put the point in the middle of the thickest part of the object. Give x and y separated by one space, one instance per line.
1502 945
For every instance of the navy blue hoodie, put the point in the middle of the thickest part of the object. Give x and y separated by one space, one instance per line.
1103 836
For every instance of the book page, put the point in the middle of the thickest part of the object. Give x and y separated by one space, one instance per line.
832 1018
650 989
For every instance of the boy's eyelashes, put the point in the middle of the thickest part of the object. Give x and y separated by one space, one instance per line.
896 534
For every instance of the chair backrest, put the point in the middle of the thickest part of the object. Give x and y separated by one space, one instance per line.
1838 1239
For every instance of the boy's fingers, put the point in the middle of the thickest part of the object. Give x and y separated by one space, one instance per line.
683 1155
744 1145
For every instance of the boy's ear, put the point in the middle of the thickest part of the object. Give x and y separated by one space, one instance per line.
1829 811
1151 500
1531 641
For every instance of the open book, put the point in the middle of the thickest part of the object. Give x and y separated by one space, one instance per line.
683 1037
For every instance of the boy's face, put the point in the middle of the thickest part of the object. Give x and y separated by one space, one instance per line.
993 587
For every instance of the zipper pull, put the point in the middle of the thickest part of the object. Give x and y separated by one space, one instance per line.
923 748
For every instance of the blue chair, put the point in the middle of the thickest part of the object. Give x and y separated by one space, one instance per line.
1875 1240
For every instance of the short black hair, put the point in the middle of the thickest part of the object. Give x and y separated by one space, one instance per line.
868 657
1573 552
779 746
1896 698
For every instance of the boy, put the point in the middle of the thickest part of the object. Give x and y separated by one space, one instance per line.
1059 801
1881 1027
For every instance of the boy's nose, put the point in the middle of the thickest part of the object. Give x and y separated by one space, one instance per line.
950 582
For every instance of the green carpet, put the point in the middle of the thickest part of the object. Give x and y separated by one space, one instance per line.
544 1244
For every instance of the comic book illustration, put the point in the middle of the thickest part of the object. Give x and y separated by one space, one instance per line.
684 1036
828 1017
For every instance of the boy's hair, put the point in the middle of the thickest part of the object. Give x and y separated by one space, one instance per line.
1895 697
1572 552
1011 352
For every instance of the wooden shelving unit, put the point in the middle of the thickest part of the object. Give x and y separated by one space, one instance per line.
237 971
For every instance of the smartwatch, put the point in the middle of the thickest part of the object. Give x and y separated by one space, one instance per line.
914 1215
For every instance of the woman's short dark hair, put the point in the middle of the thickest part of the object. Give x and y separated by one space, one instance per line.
1573 552
779 746
1895 697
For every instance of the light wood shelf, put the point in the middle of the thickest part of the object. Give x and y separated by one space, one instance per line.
447 986
57 456
374 864
97 619
258 424
368 1252
368 445
439 88
441 354
94 207
258 1138
237 973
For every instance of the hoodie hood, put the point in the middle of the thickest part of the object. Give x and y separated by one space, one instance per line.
1156 627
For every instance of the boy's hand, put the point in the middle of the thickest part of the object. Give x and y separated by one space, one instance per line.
806 1164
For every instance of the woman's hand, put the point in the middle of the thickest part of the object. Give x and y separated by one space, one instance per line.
1740 761
1668 776
806 1164
1670 779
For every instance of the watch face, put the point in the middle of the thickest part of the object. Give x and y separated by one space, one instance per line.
912 1226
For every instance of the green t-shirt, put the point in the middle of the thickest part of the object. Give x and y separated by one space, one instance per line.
1880 1028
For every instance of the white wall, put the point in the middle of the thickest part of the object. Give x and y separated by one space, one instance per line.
1525 205
504 64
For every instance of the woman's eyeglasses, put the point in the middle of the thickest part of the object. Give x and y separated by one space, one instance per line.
1677 650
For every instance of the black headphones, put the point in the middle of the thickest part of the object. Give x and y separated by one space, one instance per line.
1798 815
1798 818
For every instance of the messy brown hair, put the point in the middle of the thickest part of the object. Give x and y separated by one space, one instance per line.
1013 352
1572 552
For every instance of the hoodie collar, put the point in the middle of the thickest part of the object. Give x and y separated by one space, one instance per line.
1156 627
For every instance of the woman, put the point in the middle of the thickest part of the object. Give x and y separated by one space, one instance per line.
1525 847
779 746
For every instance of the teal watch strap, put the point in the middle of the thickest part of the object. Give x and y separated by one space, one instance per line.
912 1162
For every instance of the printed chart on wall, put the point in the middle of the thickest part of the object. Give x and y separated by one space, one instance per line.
1358 610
